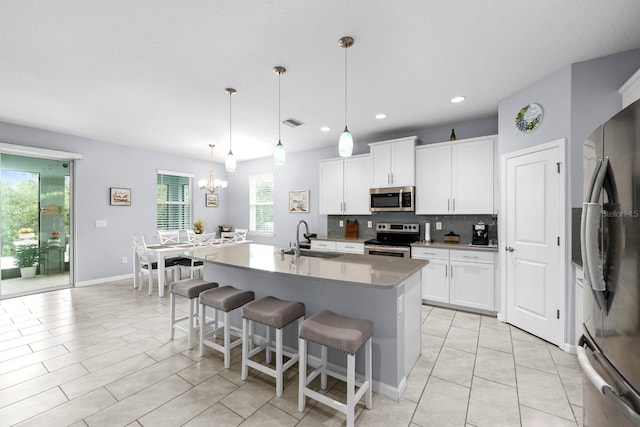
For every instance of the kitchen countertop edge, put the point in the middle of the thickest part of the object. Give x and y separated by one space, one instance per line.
454 246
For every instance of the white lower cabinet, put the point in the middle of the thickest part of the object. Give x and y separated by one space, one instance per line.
458 277
337 246
323 245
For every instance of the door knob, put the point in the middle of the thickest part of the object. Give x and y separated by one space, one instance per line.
510 249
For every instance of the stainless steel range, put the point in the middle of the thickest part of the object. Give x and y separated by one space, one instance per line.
393 240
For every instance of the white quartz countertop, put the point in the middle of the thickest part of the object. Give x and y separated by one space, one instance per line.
455 246
363 270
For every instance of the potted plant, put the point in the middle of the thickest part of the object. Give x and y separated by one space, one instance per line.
26 233
27 260
198 227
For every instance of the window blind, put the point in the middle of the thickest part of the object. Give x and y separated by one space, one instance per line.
173 202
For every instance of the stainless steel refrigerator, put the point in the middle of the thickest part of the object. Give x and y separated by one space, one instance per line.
609 349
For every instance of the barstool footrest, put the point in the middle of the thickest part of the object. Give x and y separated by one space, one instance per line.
270 371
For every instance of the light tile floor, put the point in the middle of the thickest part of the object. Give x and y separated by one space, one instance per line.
101 355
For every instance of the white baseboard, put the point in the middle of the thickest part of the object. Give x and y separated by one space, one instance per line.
103 280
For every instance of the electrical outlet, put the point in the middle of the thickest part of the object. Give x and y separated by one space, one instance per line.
400 304
341 223
100 223
369 224
124 260
438 226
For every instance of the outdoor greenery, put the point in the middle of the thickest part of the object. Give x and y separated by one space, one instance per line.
28 255
19 210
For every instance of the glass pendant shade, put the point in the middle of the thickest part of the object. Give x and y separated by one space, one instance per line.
345 144
279 155
230 162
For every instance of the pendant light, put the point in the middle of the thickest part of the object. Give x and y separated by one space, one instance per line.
279 155
230 161
345 144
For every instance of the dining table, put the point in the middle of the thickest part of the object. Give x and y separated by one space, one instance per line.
167 250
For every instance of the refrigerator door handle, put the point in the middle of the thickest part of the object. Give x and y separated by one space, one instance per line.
583 223
602 386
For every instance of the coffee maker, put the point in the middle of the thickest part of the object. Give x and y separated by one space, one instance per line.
480 234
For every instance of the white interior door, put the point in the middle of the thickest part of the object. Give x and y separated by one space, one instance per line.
533 217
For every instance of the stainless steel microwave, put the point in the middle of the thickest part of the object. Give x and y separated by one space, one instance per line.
392 199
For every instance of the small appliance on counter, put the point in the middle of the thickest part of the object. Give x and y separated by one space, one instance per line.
451 237
480 235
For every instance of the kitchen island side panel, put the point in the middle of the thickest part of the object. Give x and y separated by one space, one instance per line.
393 352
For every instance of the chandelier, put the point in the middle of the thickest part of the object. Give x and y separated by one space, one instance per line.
213 184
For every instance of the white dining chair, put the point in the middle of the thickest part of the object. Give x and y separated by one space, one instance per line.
149 263
200 241
169 236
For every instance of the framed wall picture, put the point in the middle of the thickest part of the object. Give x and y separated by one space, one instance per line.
211 200
119 196
299 201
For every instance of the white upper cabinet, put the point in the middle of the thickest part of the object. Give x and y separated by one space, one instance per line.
630 90
344 186
455 177
393 163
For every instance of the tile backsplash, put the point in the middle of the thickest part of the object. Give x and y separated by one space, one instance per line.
459 224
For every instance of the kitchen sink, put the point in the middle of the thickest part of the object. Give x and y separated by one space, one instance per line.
314 254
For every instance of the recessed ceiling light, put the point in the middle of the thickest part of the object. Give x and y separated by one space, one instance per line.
457 99
325 129
381 116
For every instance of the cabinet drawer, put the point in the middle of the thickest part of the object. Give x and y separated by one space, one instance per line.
350 247
472 256
422 252
323 245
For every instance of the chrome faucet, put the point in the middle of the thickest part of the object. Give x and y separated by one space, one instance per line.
297 242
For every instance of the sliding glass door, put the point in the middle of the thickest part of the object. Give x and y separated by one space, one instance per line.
35 195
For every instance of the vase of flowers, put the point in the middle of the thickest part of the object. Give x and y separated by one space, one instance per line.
198 227
54 239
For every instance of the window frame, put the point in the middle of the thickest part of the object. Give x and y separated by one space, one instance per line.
252 204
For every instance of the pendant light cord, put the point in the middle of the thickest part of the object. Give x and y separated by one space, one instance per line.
279 108
230 95
345 87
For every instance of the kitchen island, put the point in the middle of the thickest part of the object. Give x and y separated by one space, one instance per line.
385 290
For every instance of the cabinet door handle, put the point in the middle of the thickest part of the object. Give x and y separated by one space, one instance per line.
446 271
451 271
454 205
471 257
448 204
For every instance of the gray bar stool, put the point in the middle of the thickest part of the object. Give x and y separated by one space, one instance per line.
273 313
190 289
346 335
225 299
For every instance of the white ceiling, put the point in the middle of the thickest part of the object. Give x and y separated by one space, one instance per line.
152 73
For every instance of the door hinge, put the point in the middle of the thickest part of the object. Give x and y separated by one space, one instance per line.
558 240
558 164
557 314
